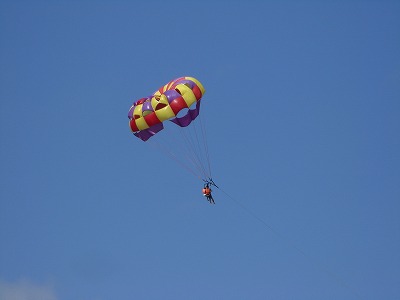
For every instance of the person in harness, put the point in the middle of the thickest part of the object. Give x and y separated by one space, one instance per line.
207 192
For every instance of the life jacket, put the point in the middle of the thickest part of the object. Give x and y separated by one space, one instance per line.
206 191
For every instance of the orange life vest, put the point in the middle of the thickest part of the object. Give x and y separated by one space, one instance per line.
206 191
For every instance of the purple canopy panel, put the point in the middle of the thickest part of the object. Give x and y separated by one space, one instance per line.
189 82
147 106
145 134
171 95
189 117
130 113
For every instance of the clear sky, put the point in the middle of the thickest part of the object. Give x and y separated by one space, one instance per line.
303 117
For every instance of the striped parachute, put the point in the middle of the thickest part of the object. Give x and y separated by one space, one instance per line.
146 116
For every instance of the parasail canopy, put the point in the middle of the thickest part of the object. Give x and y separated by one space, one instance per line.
180 96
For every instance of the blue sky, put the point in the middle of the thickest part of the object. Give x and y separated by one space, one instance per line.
302 105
